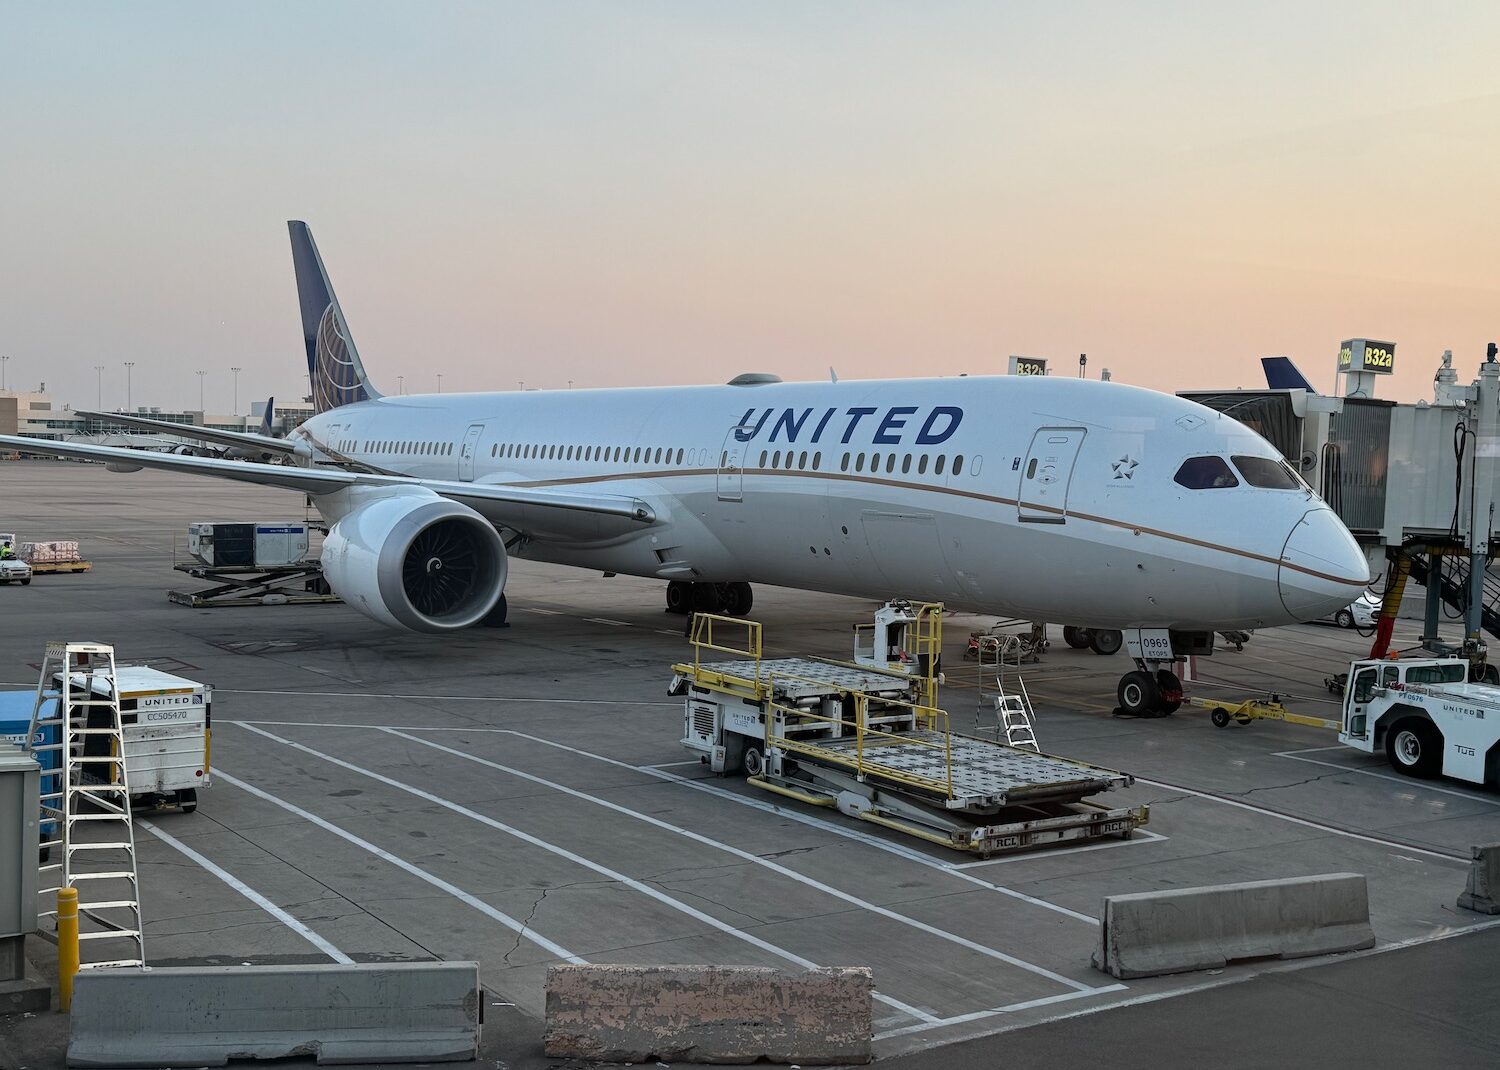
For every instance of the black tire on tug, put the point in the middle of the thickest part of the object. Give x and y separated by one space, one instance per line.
1105 640
1166 682
679 596
754 763
1138 694
1414 747
1077 638
187 798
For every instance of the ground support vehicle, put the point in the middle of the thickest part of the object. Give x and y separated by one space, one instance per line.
56 556
1426 716
859 739
167 721
14 570
1223 712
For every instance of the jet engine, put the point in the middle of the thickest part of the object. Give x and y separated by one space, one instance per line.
414 560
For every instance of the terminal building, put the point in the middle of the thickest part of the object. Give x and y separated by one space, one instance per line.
33 414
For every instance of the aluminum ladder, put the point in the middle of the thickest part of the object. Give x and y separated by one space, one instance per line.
1014 717
86 797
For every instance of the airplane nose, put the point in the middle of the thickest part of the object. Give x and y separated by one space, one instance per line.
1322 567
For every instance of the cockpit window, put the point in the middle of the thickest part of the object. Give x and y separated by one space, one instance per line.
1205 473
1267 473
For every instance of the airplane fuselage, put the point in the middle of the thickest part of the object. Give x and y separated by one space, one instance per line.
1053 499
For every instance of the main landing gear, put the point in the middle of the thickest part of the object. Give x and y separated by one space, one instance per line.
731 599
1100 640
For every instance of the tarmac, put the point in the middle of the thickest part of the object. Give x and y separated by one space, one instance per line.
519 796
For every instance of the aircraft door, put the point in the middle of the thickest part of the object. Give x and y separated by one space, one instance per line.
466 451
731 481
1359 689
1046 472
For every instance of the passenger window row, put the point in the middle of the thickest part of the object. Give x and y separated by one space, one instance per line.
405 447
612 454
905 461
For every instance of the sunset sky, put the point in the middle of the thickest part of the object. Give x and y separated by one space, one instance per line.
644 193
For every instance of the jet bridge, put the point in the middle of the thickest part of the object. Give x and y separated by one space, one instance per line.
1417 484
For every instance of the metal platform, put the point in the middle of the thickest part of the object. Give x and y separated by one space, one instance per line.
300 584
984 773
804 677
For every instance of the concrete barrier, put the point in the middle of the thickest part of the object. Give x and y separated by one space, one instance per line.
1482 893
708 1014
206 1015
1205 928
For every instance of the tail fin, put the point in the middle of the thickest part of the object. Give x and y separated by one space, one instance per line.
1282 374
269 418
333 367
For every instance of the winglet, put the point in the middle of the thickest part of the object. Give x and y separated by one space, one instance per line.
333 365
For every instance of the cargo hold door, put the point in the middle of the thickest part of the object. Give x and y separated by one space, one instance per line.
1046 473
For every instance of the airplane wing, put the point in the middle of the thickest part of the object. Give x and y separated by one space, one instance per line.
538 511
243 439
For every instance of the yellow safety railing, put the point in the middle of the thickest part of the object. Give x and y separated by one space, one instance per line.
703 636
926 638
868 742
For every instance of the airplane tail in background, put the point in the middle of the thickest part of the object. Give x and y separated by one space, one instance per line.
337 376
268 421
1282 374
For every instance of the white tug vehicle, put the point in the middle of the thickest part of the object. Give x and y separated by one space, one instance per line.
1426 716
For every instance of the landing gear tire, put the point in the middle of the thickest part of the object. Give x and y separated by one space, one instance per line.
754 763
187 799
1344 619
707 598
1105 640
497 617
1414 748
679 596
737 599
1169 687
1138 694
1077 638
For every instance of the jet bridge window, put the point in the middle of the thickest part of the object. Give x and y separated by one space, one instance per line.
1267 472
1205 473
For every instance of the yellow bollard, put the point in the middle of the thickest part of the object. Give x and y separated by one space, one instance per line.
67 945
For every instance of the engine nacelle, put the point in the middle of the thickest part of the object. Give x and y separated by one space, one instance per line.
416 561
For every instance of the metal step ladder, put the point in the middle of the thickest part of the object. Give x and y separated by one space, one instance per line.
86 799
1014 718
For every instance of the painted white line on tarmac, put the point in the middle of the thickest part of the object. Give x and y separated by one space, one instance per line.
249 893
1009 1008
900 850
1139 837
806 819
577 859
439 698
611 623
1404 781
764 863
1397 845
400 863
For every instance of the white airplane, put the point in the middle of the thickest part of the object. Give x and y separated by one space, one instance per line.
1051 499
233 445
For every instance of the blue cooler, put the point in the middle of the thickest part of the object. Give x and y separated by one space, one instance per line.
15 720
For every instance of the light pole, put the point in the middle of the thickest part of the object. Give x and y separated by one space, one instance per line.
99 373
440 382
520 384
200 391
3 361
128 365
400 384
236 390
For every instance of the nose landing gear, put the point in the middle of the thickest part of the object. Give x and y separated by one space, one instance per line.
1153 688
